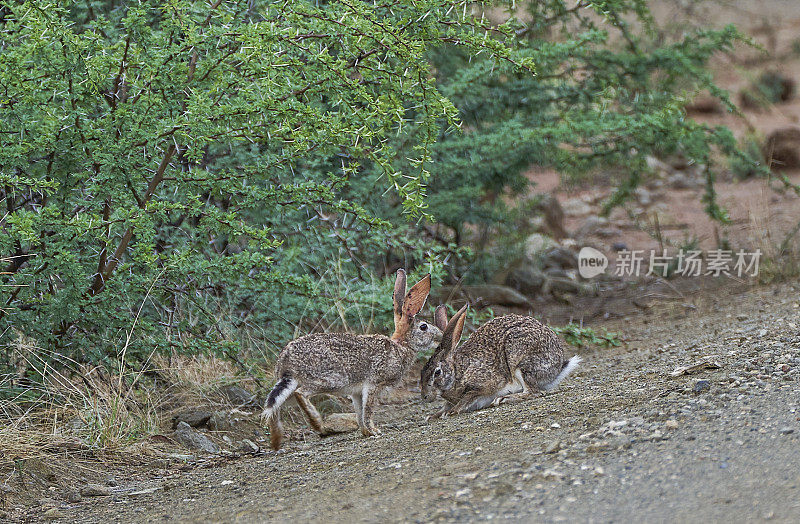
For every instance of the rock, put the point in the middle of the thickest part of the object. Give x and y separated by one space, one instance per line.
340 423
657 166
553 474
489 294
95 490
240 397
701 385
220 421
643 196
52 514
671 424
561 258
536 245
526 279
590 226
576 207
194 419
553 447
566 285
782 148
248 446
192 439
146 491
609 232
543 212
600 445
620 246
73 496
787 430
681 181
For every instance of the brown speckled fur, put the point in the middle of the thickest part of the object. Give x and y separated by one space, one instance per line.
489 365
357 366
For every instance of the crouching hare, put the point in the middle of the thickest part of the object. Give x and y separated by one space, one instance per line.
358 366
501 361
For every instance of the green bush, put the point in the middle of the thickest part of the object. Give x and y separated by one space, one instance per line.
186 177
175 171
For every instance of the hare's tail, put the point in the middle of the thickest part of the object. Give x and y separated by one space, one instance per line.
282 391
272 410
566 368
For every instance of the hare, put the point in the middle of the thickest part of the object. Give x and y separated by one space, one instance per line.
358 366
502 361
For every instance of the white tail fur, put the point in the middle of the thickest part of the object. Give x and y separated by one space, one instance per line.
282 391
566 370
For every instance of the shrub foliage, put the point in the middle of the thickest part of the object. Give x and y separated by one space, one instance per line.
216 175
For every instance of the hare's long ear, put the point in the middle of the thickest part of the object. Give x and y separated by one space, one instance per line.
398 295
456 326
440 317
416 298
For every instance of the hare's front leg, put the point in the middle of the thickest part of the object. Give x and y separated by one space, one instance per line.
369 399
358 406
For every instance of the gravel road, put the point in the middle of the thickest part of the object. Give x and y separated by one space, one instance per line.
621 440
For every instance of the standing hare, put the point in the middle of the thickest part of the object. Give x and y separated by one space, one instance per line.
358 366
500 362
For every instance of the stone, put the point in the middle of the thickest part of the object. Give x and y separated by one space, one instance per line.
576 207
73 496
681 181
340 423
240 397
787 430
657 166
193 439
600 445
488 294
701 385
553 447
220 421
590 226
194 418
671 424
526 279
643 196
95 490
560 258
52 514
248 446
536 245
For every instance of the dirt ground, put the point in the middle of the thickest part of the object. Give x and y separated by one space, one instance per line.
620 440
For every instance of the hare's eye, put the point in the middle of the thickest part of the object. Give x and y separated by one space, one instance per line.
437 372
423 327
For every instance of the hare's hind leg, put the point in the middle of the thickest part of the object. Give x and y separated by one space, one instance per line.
471 401
369 398
311 413
275 429
516 395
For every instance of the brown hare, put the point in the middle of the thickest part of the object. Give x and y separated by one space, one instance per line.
358 366
501 361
